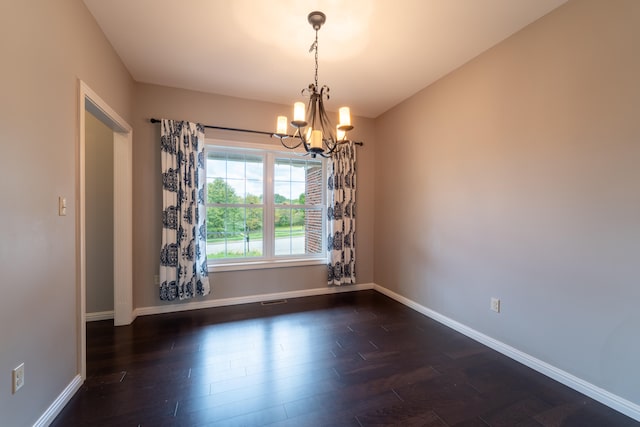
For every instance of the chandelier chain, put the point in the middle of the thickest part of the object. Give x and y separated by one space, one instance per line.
316 57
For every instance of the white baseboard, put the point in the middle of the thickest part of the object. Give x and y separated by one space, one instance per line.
52 412
170 308
99 315
601 395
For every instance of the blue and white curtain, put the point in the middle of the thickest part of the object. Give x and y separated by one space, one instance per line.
341 212
183 257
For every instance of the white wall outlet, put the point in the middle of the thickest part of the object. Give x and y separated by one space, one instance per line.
17 377
495 304
156 279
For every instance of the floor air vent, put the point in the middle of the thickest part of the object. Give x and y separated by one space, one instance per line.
274 302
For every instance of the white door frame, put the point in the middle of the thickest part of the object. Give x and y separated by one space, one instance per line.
122 215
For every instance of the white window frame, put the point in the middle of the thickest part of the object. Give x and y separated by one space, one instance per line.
269 259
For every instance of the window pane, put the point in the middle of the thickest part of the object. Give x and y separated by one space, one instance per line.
236 166
234 232
298 193
255 190
282 192
298 182
254 222
215 225
241 176
282 219
235 190
216 165
282 181
282 170
253 235
216 190
298 231
298 170
297 218
284 234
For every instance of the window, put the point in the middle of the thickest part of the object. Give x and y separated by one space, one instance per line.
264 207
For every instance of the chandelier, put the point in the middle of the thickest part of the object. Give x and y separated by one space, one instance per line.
314 130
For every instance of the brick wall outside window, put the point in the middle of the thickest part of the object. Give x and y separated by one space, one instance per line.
313 218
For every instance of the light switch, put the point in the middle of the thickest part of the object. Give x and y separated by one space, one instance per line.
62 206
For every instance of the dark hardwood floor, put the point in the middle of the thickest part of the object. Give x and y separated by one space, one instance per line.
350 359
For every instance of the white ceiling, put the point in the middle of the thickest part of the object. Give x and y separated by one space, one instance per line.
373 54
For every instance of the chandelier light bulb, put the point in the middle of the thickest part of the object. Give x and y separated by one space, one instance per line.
281 128
298 112
316 139
345 116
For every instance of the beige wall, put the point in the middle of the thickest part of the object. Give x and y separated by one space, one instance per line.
162 102
98 214
516 176
46 47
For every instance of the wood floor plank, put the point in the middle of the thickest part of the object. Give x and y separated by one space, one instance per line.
350 359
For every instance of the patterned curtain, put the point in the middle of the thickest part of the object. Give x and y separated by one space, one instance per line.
341 212
183 257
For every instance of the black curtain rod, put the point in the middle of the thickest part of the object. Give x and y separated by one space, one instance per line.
260 132
225 128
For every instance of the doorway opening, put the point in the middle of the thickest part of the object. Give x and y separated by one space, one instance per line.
98 204
90 102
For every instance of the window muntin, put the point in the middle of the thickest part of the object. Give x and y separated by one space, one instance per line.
263 206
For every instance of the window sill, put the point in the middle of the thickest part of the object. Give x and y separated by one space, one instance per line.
260 265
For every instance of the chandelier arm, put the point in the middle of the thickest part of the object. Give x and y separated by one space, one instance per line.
311 119
305 144
313 107
289 146
329 139
330 150
296 135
